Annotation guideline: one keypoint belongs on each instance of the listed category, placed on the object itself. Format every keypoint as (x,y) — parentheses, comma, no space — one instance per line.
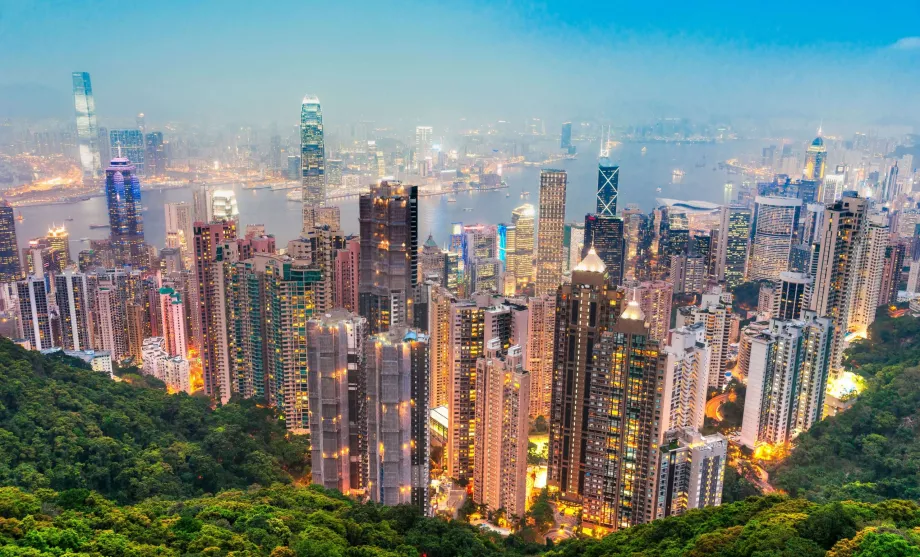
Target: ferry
(69,219)
(94,226)
(84,239)
(525,194)
(644,150)
(467,209)
(451,199)
(20,218)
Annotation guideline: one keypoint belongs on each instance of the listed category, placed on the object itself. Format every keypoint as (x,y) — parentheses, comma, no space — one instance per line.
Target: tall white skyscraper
(179,221)
(87,131)
(686,378)
(869,278)
(423,145)
(312,158)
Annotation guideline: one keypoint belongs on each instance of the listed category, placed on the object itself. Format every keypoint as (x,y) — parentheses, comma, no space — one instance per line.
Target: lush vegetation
(870,452)
(768,527)
(64,426)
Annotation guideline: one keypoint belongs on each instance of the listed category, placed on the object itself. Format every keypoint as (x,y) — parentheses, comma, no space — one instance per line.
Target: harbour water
(640,176)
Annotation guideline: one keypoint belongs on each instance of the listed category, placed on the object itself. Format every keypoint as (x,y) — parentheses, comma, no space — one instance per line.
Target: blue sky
(845,63)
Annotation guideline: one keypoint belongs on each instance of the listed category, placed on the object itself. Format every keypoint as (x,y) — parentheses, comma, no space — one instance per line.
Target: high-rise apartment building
(870,273)
(338,401)
(126,219)
(467,345)
(10,268)
(655,299)
(715,310)
(538,352)
(179,227)
(312,158)
(519,255)
(686,377)
(110,319)
(585,308)
(72,297)
(172,321)
(691,471)
(776,222)
(791,296)
(397,418)
(549,230)
(838,260)
(732,245)
(87,130)
(347,276)
(502,425)
(35,312)
(388,220)
(787,379)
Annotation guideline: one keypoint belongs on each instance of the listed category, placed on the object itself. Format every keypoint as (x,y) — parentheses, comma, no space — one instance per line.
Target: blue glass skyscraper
(566,142)
(87,132)
(123,197)
(608,184)
(312,158)
(130,145)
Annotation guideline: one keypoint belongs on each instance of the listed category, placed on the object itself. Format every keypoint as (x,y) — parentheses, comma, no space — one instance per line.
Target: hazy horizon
(212,63)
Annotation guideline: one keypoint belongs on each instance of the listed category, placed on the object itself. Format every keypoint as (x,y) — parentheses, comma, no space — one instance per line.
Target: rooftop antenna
(119,151)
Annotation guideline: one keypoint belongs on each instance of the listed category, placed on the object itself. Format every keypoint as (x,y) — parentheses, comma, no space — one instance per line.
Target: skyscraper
(655,298)
(59,246)
(179,227)
(87,131)
(792,296)
(346,276)
(388,221)
(130,144)
(338,401)
(439,330)
(423,147)
(815,160)
(519,259)
(608,187)
(73,300)
(776,223)
(538,352)
(691,471)
(586,308)
(715,310)
(502,424)
(623,394)
(10,268)
(732,246)
(870,273)
(397,422)
(604,234)
(686,377)
(35,312)
(155,154)
(549,230)
(565,142)
(126,219)
(223,206)
(312,158)
(467,345)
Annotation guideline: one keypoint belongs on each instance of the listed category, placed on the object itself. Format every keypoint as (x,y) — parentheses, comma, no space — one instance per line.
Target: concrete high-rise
(35,312)
(312,158)
(519,258)
(338,401)
(10,267)
(467,345)
(549,231)
(538,352)
(691,471)
(347,276)
(715,310)
(502,424)
(787,379)
(72,297)
(126,219)
(655,299)
(870,273)
(442,351)
(623,398)
(686,378)
(87,130)
(776,222)
(397,418)
(586,308)
(837,262)
(732,245)
(388,221)
(179,227)
(792,296)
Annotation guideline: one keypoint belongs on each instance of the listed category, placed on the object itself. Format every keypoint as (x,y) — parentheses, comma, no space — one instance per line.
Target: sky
(210,62)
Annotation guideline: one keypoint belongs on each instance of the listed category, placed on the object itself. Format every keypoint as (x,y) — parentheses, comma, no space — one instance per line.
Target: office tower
(223,206)
(776,221)
(485,275)
(467,345)
(549,230)
(431,262)
(624,395)
(59,244)
(787,378)
(35,312)
(397,418)
(815,160)
(126,219)
(73,304)
(891,275)
(211,307)
(453,273)
(172,320)
(312,158)
(179,221)
(715,310)
(585,308)
(691,471)
(155,154)
(519,259)
(655,298)
(439,330)
(792,296)
(891,189)
(538,352)
(834,185)
(346,276)
(388,220)
(10,268)
(334,173)
(423,146)
(175,371)
(838,259)
(87,131)
(573,244)
(110,319)
(502,424)
(337,387)
(732,246)
(686,378)
(688,273)
(608,187)
(604,234)
(129,144)
(869,274)
(565,142)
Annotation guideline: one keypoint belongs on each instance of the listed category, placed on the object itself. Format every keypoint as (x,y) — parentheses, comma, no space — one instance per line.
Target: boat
(525,194)
(295,194)
(507,195)
(658,189)
(20,218)
(84,239)
(644,150)
(467,209)
(451,199)
(69,219)
(94,226)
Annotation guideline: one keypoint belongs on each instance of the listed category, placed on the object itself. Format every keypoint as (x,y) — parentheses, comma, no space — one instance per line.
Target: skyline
(435,65)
